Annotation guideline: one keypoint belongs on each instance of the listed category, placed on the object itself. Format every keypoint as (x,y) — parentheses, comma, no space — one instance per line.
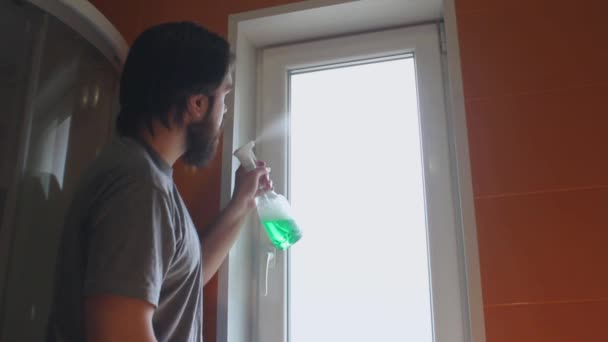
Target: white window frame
(423,43)
(251,32)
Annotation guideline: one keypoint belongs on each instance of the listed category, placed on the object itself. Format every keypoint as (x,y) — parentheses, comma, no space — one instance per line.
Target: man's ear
(196,108)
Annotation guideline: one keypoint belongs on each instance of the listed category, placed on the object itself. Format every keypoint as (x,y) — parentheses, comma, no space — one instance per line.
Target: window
(360,147)
(355,182)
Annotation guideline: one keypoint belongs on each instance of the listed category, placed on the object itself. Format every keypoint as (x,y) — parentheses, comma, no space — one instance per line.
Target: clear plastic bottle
(273,209)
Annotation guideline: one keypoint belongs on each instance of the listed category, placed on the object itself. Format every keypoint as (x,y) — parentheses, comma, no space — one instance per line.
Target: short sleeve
(130,244)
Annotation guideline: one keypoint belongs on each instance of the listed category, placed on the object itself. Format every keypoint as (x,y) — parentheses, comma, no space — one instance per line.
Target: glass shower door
(63,99)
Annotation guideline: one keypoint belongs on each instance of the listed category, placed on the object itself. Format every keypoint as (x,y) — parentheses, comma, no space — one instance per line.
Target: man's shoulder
(125,162)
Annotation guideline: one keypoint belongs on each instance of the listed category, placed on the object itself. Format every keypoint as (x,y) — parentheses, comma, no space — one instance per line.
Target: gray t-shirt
(128,233)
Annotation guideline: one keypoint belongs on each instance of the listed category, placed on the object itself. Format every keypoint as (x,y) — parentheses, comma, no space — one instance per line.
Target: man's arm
(115,318)
(218,238)
(130,246)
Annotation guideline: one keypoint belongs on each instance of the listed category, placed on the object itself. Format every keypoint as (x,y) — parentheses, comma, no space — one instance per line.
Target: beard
(201,142)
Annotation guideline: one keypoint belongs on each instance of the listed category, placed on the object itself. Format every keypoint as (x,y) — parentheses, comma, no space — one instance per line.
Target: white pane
(360,273)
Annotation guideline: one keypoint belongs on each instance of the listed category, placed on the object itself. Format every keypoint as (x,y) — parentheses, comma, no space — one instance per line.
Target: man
(131,265)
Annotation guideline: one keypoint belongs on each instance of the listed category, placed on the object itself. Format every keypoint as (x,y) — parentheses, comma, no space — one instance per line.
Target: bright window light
(360,273)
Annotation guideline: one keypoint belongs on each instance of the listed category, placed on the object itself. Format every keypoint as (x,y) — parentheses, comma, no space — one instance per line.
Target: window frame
(251,31)
(447,276)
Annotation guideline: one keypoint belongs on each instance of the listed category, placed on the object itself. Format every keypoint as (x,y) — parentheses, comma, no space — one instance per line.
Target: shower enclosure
(59,68)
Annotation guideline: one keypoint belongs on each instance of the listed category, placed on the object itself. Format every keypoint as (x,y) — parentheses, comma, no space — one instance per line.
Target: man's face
(202,137)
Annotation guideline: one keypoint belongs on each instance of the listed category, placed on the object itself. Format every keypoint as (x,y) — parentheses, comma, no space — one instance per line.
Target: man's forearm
(217,239)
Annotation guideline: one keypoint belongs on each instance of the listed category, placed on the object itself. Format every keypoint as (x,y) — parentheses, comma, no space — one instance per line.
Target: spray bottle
(273,209)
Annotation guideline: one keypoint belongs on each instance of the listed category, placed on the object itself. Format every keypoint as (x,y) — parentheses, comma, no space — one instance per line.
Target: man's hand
(220,236)
(249,185)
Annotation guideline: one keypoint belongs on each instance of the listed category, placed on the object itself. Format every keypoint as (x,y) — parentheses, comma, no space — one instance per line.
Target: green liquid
(282,233)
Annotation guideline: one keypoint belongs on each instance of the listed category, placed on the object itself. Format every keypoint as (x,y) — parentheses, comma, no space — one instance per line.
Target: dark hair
(166,65)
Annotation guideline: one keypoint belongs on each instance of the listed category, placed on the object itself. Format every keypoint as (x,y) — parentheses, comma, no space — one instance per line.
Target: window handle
(270,262)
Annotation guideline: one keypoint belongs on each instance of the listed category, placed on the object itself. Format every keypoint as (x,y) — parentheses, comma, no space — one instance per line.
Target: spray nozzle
(246,156)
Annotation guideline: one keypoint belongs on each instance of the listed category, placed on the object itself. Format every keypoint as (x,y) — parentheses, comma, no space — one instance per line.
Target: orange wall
(200,189)
(535,75)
